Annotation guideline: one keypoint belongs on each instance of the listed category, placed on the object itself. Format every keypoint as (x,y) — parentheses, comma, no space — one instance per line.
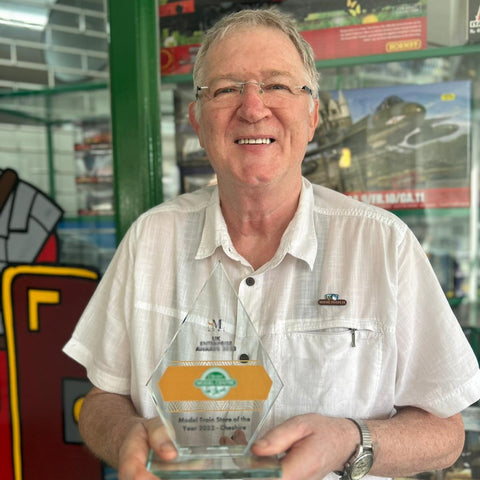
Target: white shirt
(395,342)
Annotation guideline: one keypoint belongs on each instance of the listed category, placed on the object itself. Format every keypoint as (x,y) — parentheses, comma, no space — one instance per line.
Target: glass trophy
(214,383)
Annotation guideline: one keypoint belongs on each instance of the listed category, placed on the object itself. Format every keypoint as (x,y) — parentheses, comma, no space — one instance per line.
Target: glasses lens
(279,93)
(225,93)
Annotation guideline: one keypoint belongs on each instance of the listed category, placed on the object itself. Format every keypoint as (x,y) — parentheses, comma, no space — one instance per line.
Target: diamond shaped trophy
(215,381)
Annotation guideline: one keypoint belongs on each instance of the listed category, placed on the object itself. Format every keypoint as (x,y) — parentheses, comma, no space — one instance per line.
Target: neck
(257,218)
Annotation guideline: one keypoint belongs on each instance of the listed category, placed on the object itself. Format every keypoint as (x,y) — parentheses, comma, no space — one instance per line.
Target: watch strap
(365,444)
(365,437)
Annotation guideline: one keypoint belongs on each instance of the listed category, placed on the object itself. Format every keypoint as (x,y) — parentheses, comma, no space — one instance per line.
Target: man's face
(283,128)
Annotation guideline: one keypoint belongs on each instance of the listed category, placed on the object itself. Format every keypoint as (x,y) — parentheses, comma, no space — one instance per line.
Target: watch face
(361,466)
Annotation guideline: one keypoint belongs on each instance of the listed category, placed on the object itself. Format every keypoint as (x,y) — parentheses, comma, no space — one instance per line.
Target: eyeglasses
(224,93)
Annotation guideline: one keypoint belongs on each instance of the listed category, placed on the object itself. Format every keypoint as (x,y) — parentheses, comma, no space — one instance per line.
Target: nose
(252,108)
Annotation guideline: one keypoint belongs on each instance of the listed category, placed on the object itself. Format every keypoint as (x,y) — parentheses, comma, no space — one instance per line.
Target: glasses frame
(242,85)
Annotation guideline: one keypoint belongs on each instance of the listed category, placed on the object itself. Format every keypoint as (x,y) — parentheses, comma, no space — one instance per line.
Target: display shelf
(93,147)
(94,168)
(69,88)
(429,52)
(89,179)
(63,104)
(434,212)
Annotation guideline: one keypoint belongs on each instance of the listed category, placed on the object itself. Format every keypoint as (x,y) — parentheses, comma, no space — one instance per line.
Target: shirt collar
(299,239)
(215,233)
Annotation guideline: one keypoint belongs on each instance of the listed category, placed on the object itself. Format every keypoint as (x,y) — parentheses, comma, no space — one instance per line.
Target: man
(392,355)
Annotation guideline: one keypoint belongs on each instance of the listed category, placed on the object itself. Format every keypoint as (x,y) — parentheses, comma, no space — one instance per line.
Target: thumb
(159,439)
(281,438)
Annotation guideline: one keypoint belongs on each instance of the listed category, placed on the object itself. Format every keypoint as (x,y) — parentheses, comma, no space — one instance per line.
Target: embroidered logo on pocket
(332,299)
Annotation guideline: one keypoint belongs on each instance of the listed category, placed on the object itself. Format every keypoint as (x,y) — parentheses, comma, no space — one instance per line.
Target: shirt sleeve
(100,340)
(437,369)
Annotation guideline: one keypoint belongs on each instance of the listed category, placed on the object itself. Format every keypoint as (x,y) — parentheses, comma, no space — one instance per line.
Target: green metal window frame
(135,107)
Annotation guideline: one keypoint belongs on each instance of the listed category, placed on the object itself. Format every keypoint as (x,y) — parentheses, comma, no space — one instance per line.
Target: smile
(254,141)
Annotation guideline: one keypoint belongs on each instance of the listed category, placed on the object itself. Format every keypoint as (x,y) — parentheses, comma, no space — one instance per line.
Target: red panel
(6,465)
(39,368)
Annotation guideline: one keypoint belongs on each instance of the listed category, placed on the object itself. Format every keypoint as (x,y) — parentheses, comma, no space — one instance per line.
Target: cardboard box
(447,22)
(474,21)
(453,23)
(401,147)
(334,28)
(364,27)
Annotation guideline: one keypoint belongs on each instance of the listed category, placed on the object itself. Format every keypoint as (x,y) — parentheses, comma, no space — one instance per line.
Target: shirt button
(250,281)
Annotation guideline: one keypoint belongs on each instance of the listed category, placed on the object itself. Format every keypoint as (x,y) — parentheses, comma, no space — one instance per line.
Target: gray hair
(272,18)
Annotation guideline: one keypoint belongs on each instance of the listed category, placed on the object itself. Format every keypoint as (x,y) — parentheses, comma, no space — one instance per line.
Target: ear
(314,116)
(193,121)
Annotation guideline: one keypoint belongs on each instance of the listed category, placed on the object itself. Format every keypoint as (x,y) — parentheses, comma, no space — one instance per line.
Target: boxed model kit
(334,28)
(400,147)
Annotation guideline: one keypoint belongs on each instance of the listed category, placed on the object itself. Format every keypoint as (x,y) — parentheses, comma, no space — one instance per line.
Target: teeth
(254,141)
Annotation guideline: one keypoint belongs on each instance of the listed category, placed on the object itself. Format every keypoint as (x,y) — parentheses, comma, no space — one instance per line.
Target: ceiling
(49,43)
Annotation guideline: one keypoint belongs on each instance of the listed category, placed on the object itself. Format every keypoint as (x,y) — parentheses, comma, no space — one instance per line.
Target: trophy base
(215,467)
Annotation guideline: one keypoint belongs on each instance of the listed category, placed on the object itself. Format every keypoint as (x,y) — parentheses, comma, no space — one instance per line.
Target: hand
(135,448)
(315,445)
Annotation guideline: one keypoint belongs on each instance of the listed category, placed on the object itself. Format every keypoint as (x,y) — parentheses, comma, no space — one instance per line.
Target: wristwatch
(361,461)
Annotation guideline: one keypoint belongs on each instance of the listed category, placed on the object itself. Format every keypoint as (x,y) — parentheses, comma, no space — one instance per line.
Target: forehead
(253,52)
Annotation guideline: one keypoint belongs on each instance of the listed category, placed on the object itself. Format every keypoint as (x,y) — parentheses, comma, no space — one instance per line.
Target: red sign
(368,39)
(416,198)
(176,8)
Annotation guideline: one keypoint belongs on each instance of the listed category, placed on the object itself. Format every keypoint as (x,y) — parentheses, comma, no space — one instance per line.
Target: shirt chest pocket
(331,367)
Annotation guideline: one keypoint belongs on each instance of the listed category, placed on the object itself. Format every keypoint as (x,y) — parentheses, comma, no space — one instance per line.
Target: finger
(133,456)
(302,461)
(135,470)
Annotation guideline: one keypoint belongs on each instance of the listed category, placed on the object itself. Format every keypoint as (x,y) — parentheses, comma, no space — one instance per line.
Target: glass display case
(58,141)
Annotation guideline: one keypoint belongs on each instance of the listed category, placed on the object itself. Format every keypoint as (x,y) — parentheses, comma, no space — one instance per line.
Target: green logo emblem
(215,383)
